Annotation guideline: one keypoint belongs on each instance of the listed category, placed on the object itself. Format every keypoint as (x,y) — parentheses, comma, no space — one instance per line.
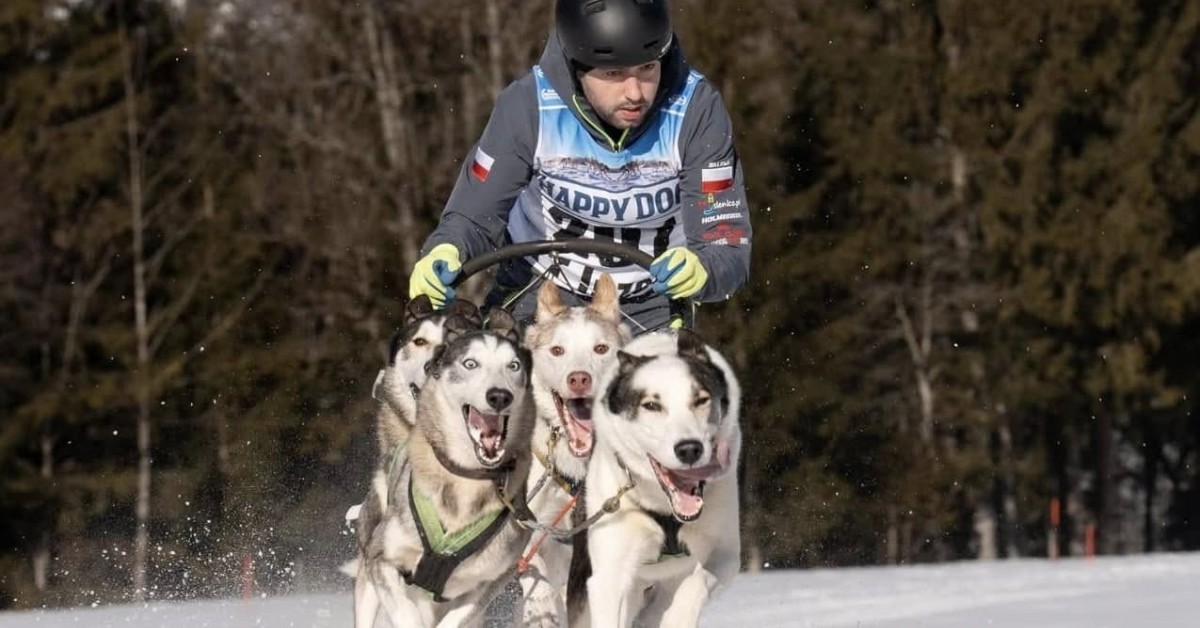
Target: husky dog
(571,346)
(667,446)
(400,381)
(448,541)
(396,390)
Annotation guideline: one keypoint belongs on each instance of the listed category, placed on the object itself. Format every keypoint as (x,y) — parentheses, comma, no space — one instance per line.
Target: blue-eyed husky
(396,389)
(448,541)
(667,445)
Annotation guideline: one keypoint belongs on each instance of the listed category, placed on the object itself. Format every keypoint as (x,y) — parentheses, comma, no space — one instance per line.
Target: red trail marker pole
(247,576)
(1052,534)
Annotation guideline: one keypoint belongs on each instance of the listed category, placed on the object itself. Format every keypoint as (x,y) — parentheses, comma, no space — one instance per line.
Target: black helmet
(613,33)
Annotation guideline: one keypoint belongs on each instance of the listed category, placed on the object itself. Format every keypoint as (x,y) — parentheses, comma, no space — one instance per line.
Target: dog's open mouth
(576,416)
(488,432)
(685,487)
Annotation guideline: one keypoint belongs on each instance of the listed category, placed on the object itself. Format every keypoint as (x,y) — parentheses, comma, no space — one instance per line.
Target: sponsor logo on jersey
(725,234)
(630,207)
(713,208)
(719,217)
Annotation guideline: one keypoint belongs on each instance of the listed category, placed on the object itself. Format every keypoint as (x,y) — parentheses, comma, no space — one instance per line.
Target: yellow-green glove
(433,274)
(678,273)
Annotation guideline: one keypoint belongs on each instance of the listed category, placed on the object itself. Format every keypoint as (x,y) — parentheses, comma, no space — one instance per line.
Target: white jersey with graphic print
(581,189)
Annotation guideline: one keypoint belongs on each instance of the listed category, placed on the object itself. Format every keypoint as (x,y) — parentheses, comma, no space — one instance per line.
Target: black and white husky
(667,446)
(571,346)
(448,541)
(395,391)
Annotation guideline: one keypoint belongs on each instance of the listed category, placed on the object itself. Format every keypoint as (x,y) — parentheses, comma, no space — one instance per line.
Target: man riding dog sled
(611,137)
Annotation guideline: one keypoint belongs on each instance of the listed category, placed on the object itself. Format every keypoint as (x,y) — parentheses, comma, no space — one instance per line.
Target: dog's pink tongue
(686,504)
(686,498)
(579,426)
(490,428)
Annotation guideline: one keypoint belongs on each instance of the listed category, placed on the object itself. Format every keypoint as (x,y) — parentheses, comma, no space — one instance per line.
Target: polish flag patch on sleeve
(716,179)
(482,165)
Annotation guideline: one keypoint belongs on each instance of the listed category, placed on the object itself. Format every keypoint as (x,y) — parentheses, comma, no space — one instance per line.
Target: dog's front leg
(690,598)
(401,610)
(542,586)
(366,597)
(469,608)
(618,545)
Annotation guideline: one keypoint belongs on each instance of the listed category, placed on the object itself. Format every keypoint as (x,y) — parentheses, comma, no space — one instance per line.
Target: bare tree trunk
(41,554)
(389,99)
(468,105)
(1149,486)
(985,531)
(495,49)
(893,535)
(920,346)
(1008,498)
(1106,529)
(141,380)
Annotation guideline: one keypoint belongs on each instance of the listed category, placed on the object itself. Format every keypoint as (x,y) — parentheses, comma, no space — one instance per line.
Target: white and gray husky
(571,346)
(400,381)
(667,446)
(448,541)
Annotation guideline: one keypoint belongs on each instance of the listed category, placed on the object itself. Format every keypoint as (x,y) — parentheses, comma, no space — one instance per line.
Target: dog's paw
(544,613)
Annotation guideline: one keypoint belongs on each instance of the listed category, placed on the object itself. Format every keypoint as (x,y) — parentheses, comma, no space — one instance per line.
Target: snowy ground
(1154,591)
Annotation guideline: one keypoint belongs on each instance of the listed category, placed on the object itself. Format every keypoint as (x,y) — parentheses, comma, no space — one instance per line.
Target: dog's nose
(689,451)
(499,398)
(579,382)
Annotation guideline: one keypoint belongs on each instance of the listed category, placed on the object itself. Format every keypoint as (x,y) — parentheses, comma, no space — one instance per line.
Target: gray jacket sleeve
(716,223)
(495,171)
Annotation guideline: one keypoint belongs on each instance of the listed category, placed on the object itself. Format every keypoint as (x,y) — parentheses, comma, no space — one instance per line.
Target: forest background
(975,288)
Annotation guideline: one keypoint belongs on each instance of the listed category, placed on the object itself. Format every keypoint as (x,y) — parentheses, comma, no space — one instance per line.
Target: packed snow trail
(1157,590)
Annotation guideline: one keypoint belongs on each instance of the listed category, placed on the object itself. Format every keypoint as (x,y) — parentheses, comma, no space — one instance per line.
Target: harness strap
(393,467)
(443,552)
(494,473)
(568,485)
(523,561)
(672,547)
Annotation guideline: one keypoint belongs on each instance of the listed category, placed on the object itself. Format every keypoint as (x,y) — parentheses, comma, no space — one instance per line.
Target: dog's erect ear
(433,364)
(620,395)
(549,301)
(398,340)
(604,300)
(628,361)
(690,346)
(502,323)
(456,326)
(467,310)
(419,307)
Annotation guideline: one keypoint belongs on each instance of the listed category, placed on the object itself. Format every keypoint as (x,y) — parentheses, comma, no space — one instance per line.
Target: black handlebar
(541,247)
